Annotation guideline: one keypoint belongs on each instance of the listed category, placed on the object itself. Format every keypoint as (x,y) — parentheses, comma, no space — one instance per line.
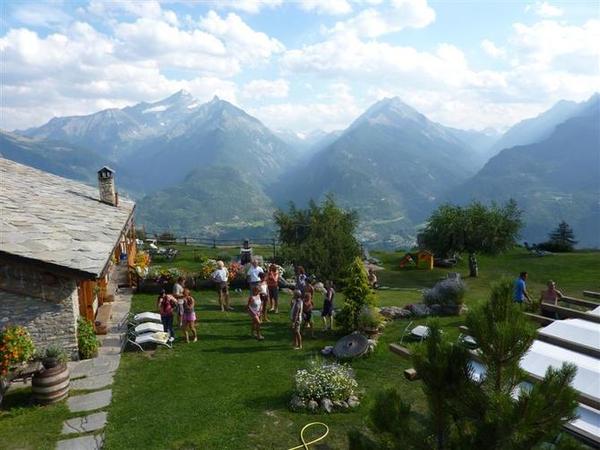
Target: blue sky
(302,64)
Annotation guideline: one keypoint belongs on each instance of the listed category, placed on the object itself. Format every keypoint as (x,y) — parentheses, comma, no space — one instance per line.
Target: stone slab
(93,442)
(93,383)
(90,402)
(85,424)
(95,366)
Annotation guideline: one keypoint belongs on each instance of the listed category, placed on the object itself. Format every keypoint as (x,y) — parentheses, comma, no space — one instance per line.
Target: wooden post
(185,241)
(214,243)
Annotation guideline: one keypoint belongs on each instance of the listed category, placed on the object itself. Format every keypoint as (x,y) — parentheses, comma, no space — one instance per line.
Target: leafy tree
(320,238)
(467,413)
(473,229)
(358,295)
(562,239)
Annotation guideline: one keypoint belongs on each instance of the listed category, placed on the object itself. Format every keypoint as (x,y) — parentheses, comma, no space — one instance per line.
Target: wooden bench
(103,316)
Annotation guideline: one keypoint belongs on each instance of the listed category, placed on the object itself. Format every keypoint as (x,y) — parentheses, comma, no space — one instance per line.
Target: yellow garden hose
(306,444)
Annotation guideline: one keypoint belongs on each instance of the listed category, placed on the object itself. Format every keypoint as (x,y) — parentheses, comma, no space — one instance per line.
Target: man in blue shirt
(521,293)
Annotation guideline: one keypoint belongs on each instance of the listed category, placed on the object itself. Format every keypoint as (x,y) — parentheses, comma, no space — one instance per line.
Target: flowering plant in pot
(53,356)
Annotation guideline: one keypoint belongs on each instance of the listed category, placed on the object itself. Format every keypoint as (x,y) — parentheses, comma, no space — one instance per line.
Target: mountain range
(212,169)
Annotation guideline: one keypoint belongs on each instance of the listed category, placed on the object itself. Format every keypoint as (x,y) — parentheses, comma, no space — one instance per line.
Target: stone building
(58,241)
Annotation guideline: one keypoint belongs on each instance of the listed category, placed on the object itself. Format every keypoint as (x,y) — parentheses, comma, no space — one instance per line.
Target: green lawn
(229,391)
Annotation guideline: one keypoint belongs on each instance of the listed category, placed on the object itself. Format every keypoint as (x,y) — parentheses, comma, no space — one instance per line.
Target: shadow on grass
(17,400)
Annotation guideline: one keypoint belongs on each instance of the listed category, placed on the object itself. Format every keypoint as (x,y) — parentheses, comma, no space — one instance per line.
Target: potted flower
(53,356)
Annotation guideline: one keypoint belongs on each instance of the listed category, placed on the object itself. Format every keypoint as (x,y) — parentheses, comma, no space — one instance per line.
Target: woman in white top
(254,310)
(221,279)
(178,294)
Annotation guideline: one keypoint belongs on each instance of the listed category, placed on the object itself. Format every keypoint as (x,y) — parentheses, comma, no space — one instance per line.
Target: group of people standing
(182,304)
(263,299)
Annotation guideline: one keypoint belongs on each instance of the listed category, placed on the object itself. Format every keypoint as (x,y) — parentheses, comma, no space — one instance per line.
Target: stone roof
(57,221)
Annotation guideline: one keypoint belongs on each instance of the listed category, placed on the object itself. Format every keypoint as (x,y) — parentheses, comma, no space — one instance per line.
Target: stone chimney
(106,183)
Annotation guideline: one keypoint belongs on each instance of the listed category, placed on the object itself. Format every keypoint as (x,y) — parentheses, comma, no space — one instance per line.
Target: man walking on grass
(521,294)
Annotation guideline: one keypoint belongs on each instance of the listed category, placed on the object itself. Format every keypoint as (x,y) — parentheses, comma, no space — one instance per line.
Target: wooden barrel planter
(51,385)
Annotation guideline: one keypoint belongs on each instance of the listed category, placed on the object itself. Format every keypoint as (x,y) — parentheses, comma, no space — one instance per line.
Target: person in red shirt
(166,305)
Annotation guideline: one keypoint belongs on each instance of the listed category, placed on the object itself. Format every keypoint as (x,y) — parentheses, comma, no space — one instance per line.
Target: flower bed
(324,387)
(16,347)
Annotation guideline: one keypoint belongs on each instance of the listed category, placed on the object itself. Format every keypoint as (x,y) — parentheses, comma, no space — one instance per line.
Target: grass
(229,391)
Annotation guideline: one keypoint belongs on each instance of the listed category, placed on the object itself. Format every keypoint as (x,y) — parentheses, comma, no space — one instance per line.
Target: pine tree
(562,239)
(358,294)
(468,414)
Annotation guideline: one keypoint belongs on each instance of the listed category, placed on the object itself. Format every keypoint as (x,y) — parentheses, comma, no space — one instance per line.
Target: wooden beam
(579,302)
(542,320)
(411,374)
(400,350)
(591,294)
(570,313)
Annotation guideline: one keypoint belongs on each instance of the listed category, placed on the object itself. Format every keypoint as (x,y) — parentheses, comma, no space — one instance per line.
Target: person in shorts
(166,306)
(254,274)
(327,313)
(221,279)
(178,288)
(296,319)
(307,308)
(189,316)
(254,310)
(273,288)
(264,296)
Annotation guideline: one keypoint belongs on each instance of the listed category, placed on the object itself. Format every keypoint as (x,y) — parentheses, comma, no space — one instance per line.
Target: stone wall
(46,304)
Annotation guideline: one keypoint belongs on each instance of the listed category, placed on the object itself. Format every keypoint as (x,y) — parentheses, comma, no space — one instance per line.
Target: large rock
(327,350)
(394,312)
(312,406)
(297,404)
(327,405)
(353,402)
(419,310)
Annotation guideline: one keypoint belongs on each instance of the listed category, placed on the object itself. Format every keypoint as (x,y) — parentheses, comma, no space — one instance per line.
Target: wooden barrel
(51,385)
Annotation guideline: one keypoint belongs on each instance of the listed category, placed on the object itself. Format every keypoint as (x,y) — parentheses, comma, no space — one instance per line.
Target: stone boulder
(297,404)
(312,406)
(327,405)
(419,310)
(394,312)
(353,402)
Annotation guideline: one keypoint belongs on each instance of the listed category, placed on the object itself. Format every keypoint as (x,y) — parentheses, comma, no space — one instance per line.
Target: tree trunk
(473,268)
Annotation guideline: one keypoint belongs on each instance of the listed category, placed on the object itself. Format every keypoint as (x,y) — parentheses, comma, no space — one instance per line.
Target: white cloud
(266,89)
(335,109)
(345,55)
(545,10)
(492,50)
(402,14)
(331,7)
(544,42)
(80,72)
(247,45)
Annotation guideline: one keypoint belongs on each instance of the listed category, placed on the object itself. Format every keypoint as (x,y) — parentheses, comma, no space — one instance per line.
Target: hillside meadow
(229,391)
